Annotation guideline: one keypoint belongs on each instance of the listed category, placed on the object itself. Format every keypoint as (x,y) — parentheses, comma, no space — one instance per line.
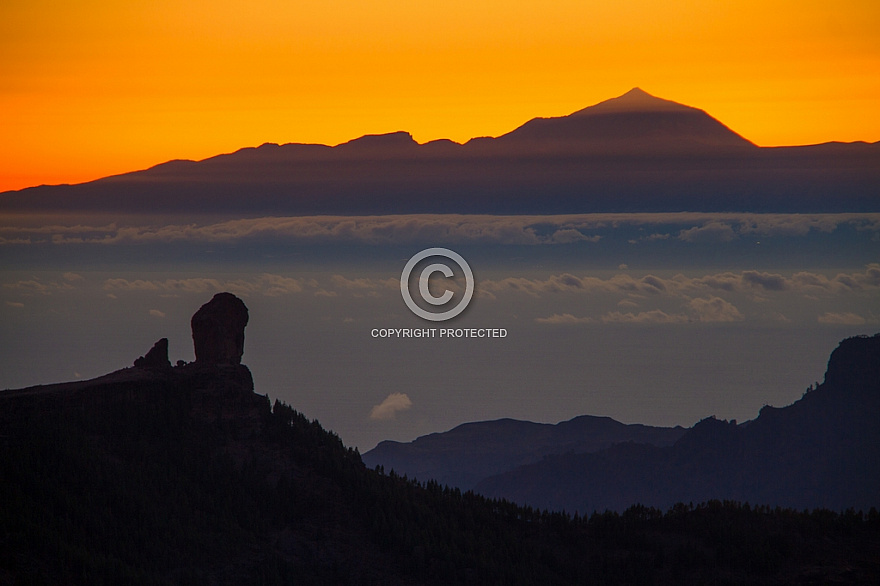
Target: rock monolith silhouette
(218,330)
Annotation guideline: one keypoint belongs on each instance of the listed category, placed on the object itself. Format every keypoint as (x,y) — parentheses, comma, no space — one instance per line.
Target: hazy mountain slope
(632,153)
(473,451)
(821,451)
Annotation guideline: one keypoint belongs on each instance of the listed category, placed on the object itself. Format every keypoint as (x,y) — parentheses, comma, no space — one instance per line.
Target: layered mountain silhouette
(820,452)
(161,474)
(472,452)
(633,153)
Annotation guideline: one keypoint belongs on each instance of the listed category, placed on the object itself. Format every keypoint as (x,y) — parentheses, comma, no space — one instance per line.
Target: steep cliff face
(855,364)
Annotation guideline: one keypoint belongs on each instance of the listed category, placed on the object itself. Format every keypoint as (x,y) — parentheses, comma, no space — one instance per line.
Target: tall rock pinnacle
(218,330)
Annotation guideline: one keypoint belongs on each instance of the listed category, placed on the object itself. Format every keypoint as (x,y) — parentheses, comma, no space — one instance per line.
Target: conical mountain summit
(632,153)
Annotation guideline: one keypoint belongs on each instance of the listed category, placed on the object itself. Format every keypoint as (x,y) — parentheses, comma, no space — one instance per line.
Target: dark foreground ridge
(183,475)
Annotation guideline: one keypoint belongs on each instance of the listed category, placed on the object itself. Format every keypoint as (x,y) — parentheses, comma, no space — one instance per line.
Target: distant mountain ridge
(820,452)
(633,153)
(471,452)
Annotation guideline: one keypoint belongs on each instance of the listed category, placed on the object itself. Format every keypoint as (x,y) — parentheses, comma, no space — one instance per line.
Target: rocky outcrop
(215,389)
(156,358)
(218,330)
(855,363)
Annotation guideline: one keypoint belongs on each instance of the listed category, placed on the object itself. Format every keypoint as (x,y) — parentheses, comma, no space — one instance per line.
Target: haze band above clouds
(444,229)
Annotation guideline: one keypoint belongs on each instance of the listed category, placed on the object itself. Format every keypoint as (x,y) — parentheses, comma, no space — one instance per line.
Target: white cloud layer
(711,310)
(754,282)
(444,228)
(266,283)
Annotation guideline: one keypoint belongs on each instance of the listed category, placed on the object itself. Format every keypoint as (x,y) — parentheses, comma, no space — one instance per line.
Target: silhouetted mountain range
(472,452)
(634,153)
(821,451)
(161,474)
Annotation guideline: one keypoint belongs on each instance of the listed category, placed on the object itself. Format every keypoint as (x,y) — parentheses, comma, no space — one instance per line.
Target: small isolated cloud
(388,408)
(846,319)
(565,318)
(72,277)
(157,313)
(715,309)
(14,304)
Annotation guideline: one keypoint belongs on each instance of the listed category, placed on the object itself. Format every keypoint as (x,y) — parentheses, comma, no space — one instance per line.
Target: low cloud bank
(446,229)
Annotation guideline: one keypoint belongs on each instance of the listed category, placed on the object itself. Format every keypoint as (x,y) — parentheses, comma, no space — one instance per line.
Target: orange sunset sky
(90,88)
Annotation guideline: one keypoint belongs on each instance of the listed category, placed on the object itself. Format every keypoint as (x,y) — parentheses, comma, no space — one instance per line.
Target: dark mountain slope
(634,153)
(473,451)
(821,451)
(182,475)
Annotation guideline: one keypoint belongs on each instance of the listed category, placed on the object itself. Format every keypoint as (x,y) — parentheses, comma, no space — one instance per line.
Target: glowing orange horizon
(92,88)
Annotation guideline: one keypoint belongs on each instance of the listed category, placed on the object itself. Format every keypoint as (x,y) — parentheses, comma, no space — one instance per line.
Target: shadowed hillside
(821,451)
(183,475)
(474,451)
